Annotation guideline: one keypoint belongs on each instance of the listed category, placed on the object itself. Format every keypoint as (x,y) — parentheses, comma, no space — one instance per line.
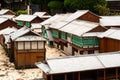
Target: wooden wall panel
(109,45)
(37,20)
(90,17)
(24,60)
(28,59)
(20,61)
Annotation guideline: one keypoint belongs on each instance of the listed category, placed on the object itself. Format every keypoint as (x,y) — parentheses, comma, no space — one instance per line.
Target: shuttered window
(34,45)
(77,40)
(55,33)
(44,33)
(20,46)
(40,45)
(27,24)
(27,45)
(86,41)
(63,35)
(19,23)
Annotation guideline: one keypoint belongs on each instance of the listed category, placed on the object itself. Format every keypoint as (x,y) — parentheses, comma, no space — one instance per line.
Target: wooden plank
(104,74)
(28,59)
(21,60)
(65,77)
(51,78)
(116,73)
(33,59)
(78,75)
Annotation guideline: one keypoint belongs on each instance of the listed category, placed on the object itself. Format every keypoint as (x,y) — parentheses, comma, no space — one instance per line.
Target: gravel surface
(8,71)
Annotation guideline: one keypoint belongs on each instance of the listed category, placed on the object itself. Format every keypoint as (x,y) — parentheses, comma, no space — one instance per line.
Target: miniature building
(46,31)
(27,47)
(27,20)
(113,5)
(80,37)
(110,40)
(7,12)
(42,15)
(37,27)
(7,16)
(5,22)
(4,33)
(76,34)
(86,67)
(110,21)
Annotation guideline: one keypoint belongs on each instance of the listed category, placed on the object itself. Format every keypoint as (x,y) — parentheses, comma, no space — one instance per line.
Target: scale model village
(90,42)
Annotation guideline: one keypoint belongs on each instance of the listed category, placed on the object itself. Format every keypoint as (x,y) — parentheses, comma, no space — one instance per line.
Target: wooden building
(46,31)
(110,40)
(4,33)
(80,37)
(5,22)
(42,15)
(110,21)
(113,5)
(27,20)
(7,12)
(7,16)
(27,47)
(6,26)
(37,27)
(84,67)
(77,33)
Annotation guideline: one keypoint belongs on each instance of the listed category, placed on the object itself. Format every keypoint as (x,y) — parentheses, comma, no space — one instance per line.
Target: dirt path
(8,71)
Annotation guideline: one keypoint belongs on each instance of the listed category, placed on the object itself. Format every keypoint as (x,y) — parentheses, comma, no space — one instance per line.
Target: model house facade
(77,33)
(85,67)
(109,40)
(26,48)
(5,22)
(43,15)
(27,20)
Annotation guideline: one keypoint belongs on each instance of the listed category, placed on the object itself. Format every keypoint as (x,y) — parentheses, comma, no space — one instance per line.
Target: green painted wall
(44,33)
(55,33)
(86,41)
(27,24)
(63,35)
(19,23)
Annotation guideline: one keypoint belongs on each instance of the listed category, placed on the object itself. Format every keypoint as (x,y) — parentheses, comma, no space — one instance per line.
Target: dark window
(58,76)
(90,51)
(81,52)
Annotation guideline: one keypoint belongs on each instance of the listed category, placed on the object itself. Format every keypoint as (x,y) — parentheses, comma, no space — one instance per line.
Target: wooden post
(116,73)
(73,76)
(51,77)
(78,75)
(65,77)
(104,74)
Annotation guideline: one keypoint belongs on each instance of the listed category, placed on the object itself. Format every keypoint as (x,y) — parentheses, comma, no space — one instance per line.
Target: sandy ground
(8,71)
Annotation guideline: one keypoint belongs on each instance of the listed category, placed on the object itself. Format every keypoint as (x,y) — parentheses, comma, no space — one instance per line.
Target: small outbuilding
(5,22)
(27,20)
(4,33)
(27,47)
(43,15)
(37,27)
(110,40)
(7,12)
(110,21)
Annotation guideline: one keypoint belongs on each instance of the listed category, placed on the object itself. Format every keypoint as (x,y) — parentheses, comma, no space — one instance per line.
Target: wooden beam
(78,75)
(51,77)
(65,77)
(116,73)
(104,74)
(73,75)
